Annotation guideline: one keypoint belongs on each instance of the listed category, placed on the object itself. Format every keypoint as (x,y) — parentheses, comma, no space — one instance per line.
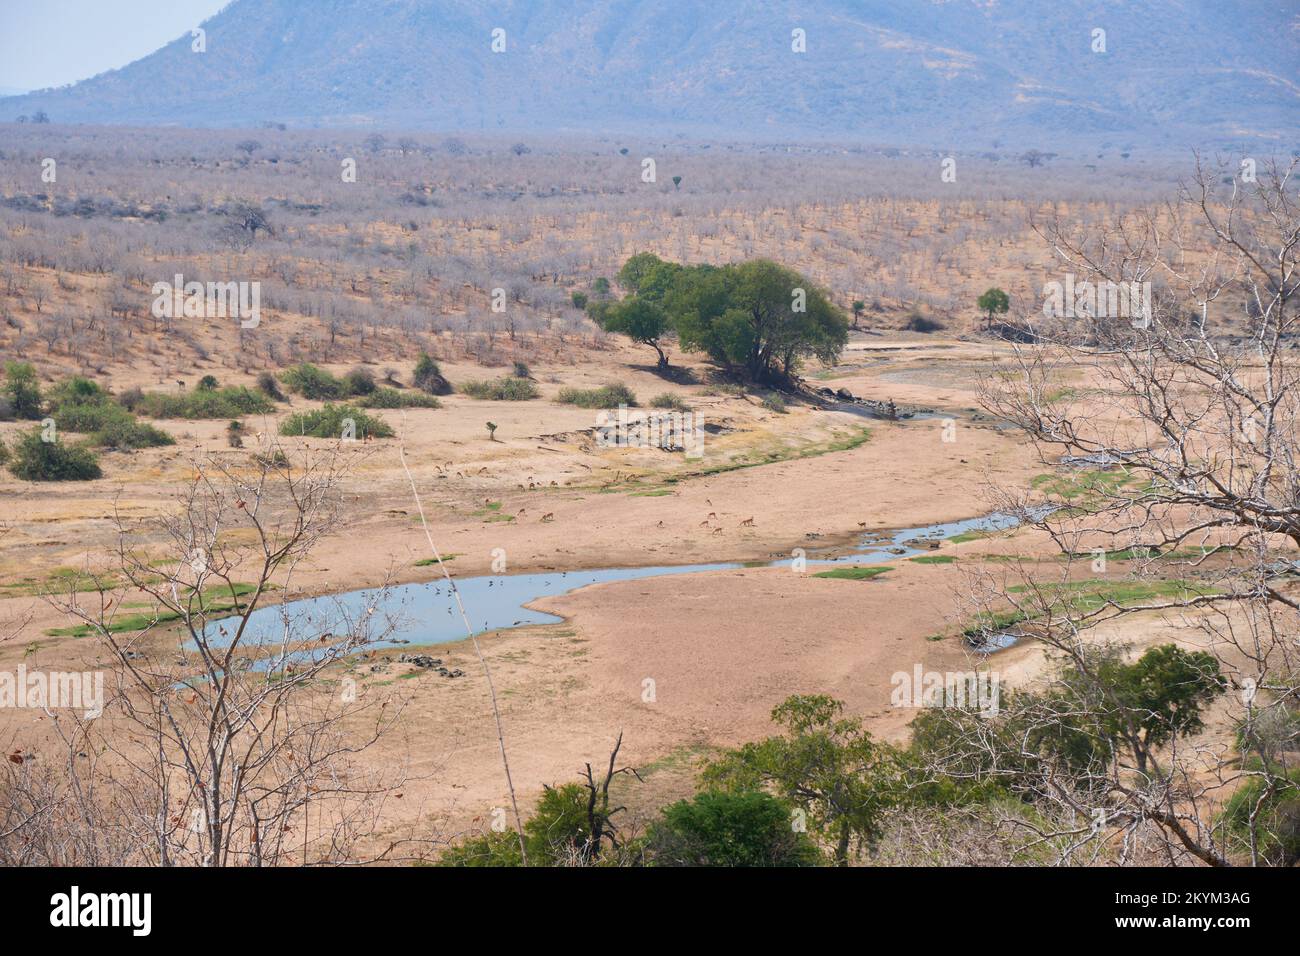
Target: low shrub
(607,396)
(330,421)
(313,382)
(34,459)
(80,405)
(229,402)
(267,384)
(124,431)
(384,397)
(669,400)
(428,376)
(916,322)
(502,390)
(359,381)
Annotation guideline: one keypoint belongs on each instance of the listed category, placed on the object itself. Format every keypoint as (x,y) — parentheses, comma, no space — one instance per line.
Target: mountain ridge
(960,72)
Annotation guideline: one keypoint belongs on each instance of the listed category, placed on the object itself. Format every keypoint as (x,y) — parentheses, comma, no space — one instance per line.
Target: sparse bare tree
(239,747)
(1184,427)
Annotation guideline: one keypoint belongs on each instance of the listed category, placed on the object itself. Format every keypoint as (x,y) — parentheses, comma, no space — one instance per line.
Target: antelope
(747,523)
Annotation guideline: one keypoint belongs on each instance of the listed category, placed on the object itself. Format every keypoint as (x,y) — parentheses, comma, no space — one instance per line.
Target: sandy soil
(720,648)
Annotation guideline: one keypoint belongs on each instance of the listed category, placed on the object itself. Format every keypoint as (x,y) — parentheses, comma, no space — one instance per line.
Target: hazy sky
(52,42)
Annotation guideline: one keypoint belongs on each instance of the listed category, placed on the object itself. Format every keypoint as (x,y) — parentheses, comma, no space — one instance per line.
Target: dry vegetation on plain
(404,262)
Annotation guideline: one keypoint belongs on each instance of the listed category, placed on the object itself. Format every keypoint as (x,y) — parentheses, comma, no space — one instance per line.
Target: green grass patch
(1086,491)
(847,442)
(425,562)
(490,512)
(969,536)
(1153,554)
(854,573)
(216,602)
(934,559)
(1089,595)
(1084,597)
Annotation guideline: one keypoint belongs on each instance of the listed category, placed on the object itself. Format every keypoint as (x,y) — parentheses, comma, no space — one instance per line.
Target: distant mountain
(945,72)
(11,91)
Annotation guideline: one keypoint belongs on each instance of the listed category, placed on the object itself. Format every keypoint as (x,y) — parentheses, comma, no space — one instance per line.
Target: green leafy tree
(858,307)
(993,302)
(758,317)
(826,765)
(1102,711)
(747,828)
(640,320)
(634,271)
(23,389)
(1161,694)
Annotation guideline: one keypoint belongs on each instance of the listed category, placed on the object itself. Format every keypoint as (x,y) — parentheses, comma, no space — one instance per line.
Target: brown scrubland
(1174,522)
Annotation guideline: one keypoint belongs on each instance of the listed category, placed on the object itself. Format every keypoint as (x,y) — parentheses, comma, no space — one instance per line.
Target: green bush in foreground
(730,829)
(34,459)
(607,396)
(1275,812)
(331,422)
(506,389)
(557,831)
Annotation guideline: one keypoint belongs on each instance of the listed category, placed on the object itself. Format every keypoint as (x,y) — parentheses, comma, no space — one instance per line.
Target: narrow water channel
(425,613)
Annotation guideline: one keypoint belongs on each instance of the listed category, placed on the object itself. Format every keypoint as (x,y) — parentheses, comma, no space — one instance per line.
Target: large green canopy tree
(757,317)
